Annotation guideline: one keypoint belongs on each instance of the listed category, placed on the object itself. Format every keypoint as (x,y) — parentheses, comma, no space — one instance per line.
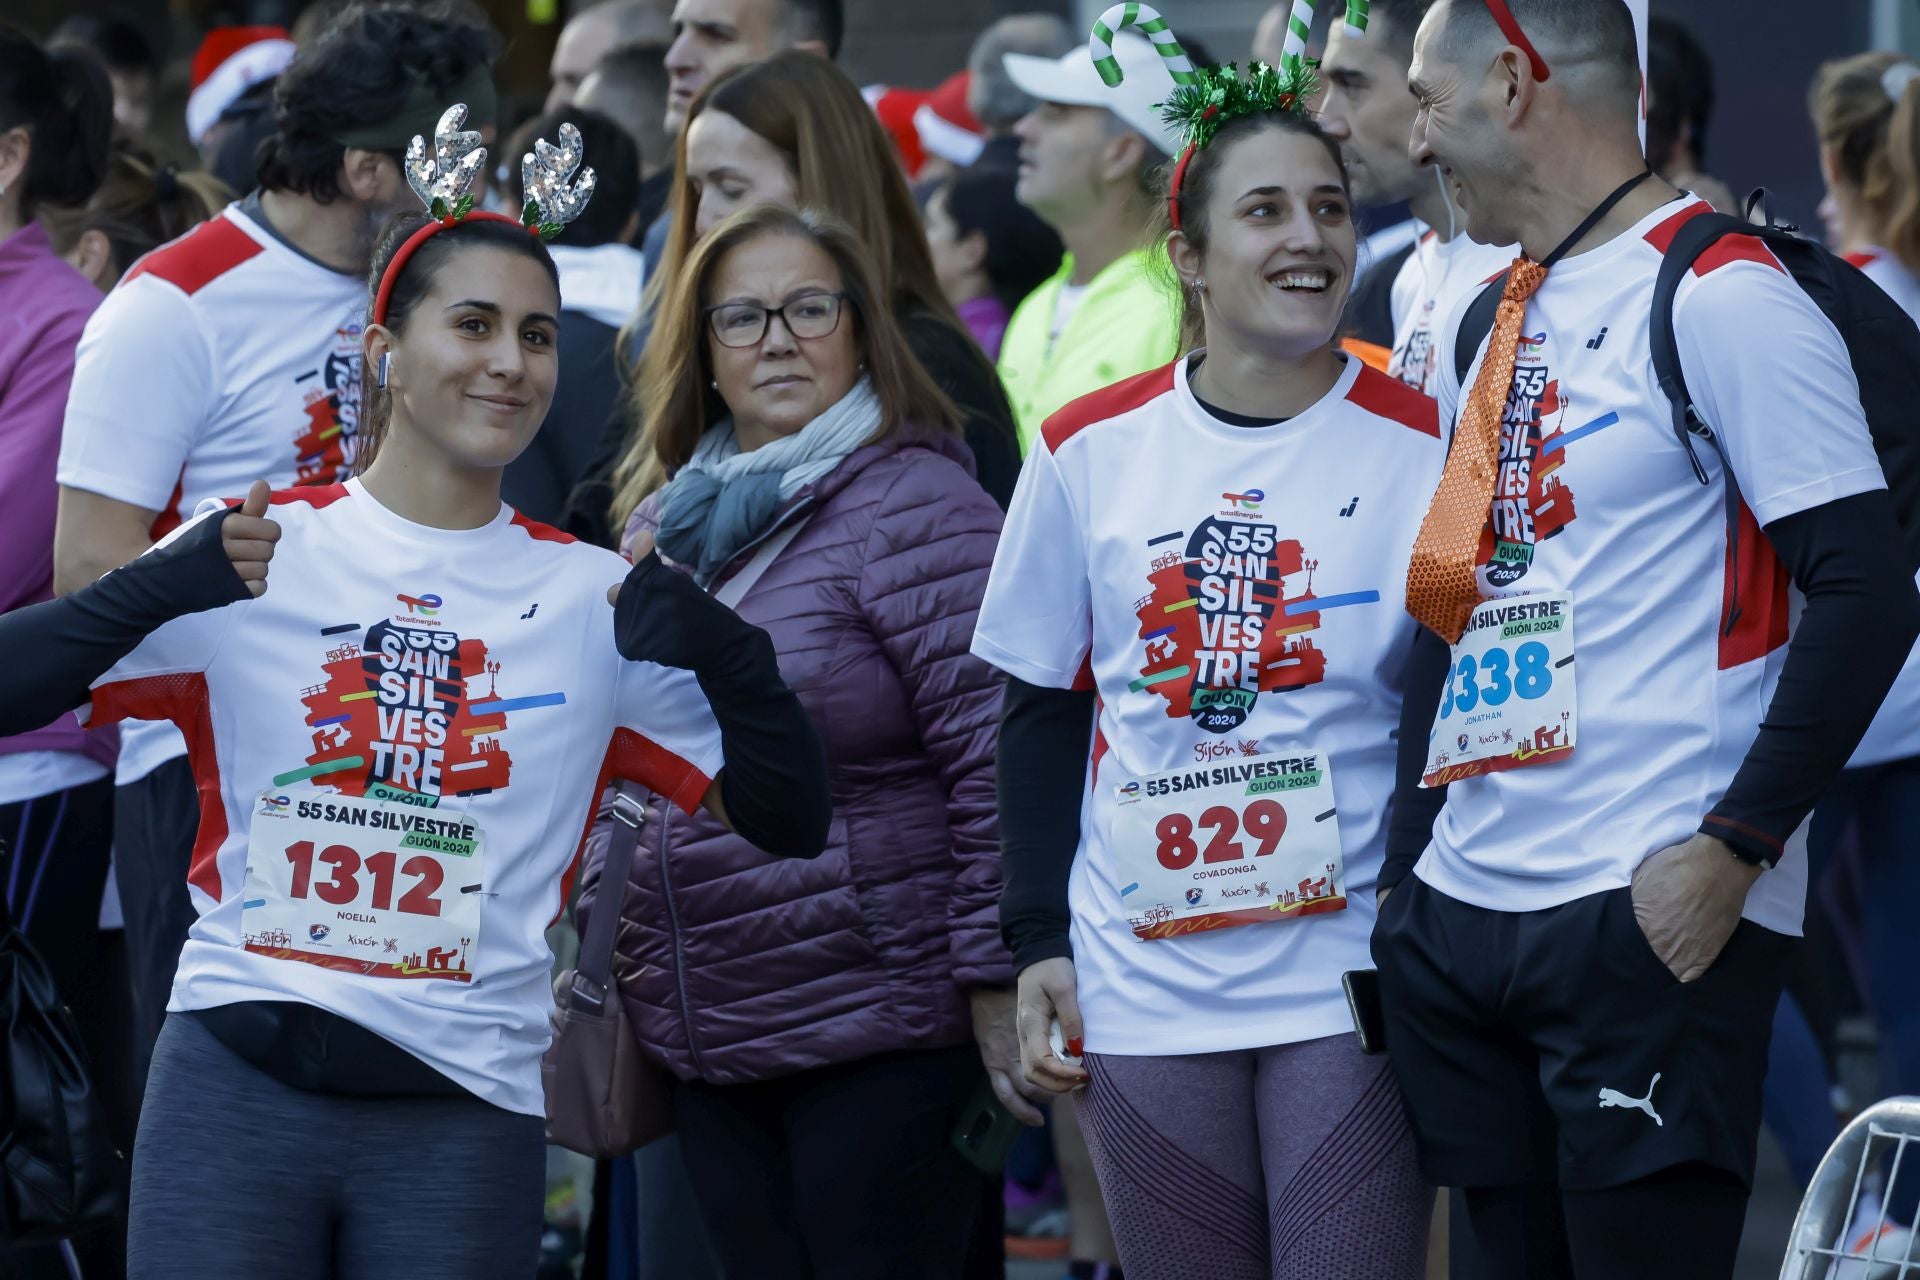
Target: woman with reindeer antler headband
(1199,589)
(399,748)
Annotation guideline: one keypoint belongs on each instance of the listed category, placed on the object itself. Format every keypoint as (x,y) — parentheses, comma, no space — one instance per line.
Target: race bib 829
(1253,841)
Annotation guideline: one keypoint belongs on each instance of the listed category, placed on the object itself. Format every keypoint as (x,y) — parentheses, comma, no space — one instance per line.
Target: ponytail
(1902,236)
(141,204)
(63,98)
(1866,111)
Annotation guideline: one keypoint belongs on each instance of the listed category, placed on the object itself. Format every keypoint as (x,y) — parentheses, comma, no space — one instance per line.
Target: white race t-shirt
(1429,285)
(222,358)
(472,673)
(1596,497)
(1115,514)
(1895,732)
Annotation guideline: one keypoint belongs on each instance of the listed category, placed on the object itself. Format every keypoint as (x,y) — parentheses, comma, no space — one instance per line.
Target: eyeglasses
(744,324)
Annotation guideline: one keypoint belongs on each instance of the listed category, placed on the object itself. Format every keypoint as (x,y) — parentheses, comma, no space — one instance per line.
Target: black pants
(155,821)
(839,1173)
(1600,1114)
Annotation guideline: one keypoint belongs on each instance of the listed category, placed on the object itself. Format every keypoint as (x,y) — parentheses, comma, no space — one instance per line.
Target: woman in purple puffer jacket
(827,1019)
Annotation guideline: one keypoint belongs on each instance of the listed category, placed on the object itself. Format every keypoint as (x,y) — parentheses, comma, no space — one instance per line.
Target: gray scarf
(723,498)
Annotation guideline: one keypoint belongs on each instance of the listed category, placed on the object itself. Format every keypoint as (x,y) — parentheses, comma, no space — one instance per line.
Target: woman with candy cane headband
(398,750)
(1199,590)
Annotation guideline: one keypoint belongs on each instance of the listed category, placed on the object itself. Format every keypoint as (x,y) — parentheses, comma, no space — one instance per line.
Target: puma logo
(1615,1098)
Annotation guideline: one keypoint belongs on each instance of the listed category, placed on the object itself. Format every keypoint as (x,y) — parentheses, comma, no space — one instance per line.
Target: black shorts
(1544,1046)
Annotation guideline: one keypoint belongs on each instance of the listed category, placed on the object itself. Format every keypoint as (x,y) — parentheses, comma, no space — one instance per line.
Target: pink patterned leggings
(1292,1162)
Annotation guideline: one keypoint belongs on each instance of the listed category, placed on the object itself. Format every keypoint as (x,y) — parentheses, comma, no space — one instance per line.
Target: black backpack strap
(1758,208)
(1694,238)
(1475,326)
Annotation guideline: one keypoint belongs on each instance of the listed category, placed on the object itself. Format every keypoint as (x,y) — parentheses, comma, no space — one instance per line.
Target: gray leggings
(236,1174)
(1292,1162)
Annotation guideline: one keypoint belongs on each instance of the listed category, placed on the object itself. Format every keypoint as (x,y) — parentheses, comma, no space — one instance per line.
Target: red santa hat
(895,108)
(230,61)
(946,125)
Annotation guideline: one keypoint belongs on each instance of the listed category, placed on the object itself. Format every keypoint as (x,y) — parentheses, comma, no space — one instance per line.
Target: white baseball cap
(1070,80)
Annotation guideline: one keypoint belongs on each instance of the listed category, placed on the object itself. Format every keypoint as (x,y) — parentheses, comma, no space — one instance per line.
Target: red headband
(1173,190)
(1518,38)
(1180,174)
(398,262)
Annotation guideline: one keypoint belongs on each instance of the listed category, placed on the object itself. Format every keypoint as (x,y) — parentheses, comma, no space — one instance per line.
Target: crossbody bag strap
(731,592)
(593,972)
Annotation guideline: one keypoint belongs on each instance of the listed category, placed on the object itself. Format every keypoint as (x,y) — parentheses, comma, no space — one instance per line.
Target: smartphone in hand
(1363,1002)
(985,1132)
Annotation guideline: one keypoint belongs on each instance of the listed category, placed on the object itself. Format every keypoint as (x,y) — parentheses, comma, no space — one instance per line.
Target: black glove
(51,653)
(663,616)
(775,783)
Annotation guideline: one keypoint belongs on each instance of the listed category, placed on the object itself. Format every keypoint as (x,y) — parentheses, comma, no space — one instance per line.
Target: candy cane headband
(444,179)
(1204,100)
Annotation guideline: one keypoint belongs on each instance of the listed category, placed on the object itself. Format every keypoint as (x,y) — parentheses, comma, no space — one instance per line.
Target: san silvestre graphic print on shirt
(1218,626)
(412,713)
(1531,503)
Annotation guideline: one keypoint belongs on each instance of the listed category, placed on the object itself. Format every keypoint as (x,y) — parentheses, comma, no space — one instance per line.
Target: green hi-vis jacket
(1127,323)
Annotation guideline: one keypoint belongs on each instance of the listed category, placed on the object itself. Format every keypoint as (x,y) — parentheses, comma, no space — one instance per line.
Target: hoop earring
(386,368)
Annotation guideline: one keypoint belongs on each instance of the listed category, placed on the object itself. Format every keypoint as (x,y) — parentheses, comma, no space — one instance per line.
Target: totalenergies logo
(1534,343)
(1248,501)
(424,606)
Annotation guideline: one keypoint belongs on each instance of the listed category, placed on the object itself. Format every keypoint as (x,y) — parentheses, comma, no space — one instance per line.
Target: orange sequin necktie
(1441,587)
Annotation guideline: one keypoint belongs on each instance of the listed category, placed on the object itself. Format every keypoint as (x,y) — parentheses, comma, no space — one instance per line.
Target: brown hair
(843,165)
(140,206)
(674,400)
(1875,143)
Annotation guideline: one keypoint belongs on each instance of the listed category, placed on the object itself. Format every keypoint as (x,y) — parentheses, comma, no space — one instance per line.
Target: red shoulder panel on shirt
(1108,402)
(1736,249)
(315,496)
(1661,237)
(1387,397)
(1732,248)
(1862,258)
(201,256)
(542,532)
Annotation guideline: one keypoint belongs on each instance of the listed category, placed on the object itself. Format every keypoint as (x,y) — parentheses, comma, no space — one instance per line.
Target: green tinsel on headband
(1222,94)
